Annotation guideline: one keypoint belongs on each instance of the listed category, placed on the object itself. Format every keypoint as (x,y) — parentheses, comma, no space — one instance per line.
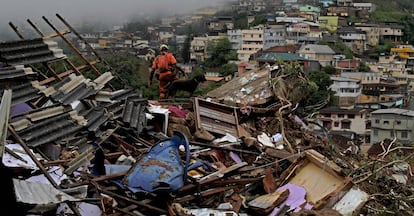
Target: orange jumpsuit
(165,72)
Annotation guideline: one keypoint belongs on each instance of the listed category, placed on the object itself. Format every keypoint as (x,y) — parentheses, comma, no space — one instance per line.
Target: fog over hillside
(77,12)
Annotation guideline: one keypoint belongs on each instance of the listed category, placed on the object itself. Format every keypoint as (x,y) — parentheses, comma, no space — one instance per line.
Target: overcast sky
(75,11)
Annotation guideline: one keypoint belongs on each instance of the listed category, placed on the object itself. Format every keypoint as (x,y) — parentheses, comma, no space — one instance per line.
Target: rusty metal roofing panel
(30,51)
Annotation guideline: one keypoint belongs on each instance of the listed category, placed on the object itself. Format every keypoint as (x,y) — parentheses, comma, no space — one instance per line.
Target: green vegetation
(339,47)
(323,93)
(240,21)
(220,53)
(384,14)
(228,69)
(329,69)
(397,12)
(364,67)
(258,19)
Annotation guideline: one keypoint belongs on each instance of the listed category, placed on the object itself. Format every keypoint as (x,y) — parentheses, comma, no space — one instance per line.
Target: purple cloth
(295,199)
(19,109)
(235,157)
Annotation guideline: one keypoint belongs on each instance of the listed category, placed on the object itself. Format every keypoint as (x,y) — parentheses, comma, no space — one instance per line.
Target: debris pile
(77,147)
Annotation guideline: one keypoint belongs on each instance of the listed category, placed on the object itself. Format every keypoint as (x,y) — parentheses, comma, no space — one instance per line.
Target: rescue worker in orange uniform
(166,64)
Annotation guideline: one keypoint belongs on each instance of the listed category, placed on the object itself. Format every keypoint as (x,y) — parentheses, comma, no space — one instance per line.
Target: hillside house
(353,38)
(343,65)
(367,6)
(197,49)
(220,24)
(391,32)
(372,33)
(392,123)
(341,11)
(252,41)
(165,33)
(235,37)
(355,120)
(303,32)
(309,12)
(274,36)
(346,90)
(321,53)
(346,3)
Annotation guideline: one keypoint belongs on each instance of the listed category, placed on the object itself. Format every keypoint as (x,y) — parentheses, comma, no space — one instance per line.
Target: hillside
(400,12)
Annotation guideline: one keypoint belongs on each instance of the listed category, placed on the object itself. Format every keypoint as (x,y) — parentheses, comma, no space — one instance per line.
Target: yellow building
(329,23)
(403,51)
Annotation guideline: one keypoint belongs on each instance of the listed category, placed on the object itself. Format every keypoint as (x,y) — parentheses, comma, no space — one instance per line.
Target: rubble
(101,151)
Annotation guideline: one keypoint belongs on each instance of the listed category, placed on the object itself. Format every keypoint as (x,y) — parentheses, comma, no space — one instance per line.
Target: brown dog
(189,85)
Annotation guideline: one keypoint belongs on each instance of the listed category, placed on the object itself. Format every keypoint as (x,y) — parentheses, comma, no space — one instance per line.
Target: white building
(235,37)
(252,41)
(347,90)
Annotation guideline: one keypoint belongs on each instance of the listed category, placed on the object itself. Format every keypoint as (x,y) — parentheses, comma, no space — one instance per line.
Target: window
(404,134)
(346,125)
(377,121)
(397,122)
(375,132)
(341,115)
(351,116)
(386,122)
(368,125)
(327,124)
(392,135)
(336,124)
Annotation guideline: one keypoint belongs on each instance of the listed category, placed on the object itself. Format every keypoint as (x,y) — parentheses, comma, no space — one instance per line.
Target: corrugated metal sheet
(73,88)
(112,96)
(102,80)
(48,125)
(96,117)
(39,193)
(23,52)
(127,105)
(251,88)
(116,109)
(134,113)
(24,92)
(16,72)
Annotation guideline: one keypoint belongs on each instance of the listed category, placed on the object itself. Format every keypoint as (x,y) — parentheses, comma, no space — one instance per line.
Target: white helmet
(163,47)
